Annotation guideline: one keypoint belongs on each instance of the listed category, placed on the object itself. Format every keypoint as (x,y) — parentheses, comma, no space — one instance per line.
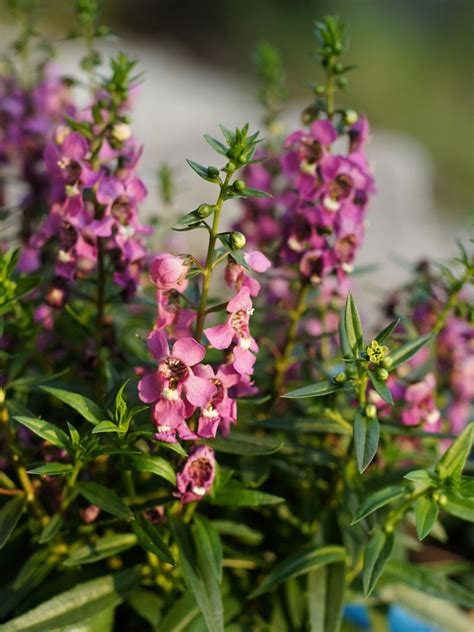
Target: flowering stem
(207,272)
(101,280)
(284,360)
(330,88)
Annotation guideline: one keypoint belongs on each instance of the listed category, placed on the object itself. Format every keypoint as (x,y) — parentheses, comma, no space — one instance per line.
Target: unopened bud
(443,500)
(382,375)
(212,172)
(389,528)
(387,362)
(341,82)
(338,68)
(237,240)
(239,185)
(121,132)
(340,378)
(351,117)
(338,48)
(370,411)
(204,210)
(2,395)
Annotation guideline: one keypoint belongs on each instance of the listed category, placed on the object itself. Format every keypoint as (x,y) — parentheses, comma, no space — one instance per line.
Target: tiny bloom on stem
(168,272)
(221,410)
(197,476)
(376,352)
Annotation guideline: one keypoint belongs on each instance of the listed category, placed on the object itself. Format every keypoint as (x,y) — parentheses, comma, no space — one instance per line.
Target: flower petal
(188,351)
(198,390)
(158,345)
(220,336)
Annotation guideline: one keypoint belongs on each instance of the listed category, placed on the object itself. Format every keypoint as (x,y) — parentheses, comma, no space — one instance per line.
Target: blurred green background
(415,61)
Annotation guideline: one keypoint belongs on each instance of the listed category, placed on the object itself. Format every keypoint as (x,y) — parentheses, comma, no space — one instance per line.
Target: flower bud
(387,362)
(389,528)
(212,172)
(205,210)
(382,375)
(237,240)
(319,90)
(2,395)
(121,132)
(370,411)
(443,500)
(338,48)
(340,378)
(350,117)
(341,82)
(338,68)
(239,185)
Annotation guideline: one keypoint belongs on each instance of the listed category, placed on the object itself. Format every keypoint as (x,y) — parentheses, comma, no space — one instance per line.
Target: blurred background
(414,81)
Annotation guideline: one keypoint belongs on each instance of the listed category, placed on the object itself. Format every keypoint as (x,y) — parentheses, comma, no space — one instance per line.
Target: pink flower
(221,410)
(168,272)
(197,476)
(422,407)
(173,389)
(236,331)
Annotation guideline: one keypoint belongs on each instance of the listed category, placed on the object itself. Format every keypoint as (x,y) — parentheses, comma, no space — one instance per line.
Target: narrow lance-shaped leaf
(453,460)
(377,500)
(150,539)
(101,549)
(75,605)
(105,498)
(10,514)
(83,405)
(208,540)
(46,430)
(366,439)
(299,563)
(387,331)
(381,388)
(151,463)
(377,554)
(314,390)
(52,469)
(408,350)
(426,513)
(201,170)
(459,506)
(353,326)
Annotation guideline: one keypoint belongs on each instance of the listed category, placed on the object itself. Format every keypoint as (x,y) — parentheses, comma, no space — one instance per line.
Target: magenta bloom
(422,408)
(221,410)
(235,331)
(168,272)
(197,476)
(174,390)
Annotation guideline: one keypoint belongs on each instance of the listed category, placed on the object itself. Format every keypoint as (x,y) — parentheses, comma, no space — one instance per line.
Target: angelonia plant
(214,438)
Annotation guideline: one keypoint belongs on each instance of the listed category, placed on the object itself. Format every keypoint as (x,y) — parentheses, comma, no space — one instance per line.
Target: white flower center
(348,267)
(163,428)
(331,204)
(433,417)
(245,343)
(171,394)
(199,491)
(210,412)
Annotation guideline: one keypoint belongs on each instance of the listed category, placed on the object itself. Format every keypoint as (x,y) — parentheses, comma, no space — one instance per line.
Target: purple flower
(197,475)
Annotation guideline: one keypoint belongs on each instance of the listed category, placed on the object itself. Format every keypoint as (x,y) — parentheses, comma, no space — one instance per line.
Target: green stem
(284,361)
(70,492)
(99,334)
(330,88)
(207,272)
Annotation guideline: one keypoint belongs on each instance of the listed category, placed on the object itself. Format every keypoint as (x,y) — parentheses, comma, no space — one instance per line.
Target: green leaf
(204,588)
(83,405)
(246,444)
(385,333)
(174,447)
(208,541)
(353,326)
(105,498)
(249,192)
(299,563)
(147,604)
(366,439)
(10,514)
(150,539)
(314,390)
(453,460)
(377,553)
(105,426)
(429,581)
(459,506)
(200,170)
(235,494)
(151,463)
(381,388)
(52,469)
(182,614)
(101,549)
(216,145)
(408,350)
(377,500)
(426,514)
(75,605)
(52,529)
(187,221)
(421,477)
(46,430)
(326,588)
(239,531)
(467,486)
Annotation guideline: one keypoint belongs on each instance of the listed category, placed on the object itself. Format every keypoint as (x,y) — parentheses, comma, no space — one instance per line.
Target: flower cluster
(95,194)
(27,120)
(182,384)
